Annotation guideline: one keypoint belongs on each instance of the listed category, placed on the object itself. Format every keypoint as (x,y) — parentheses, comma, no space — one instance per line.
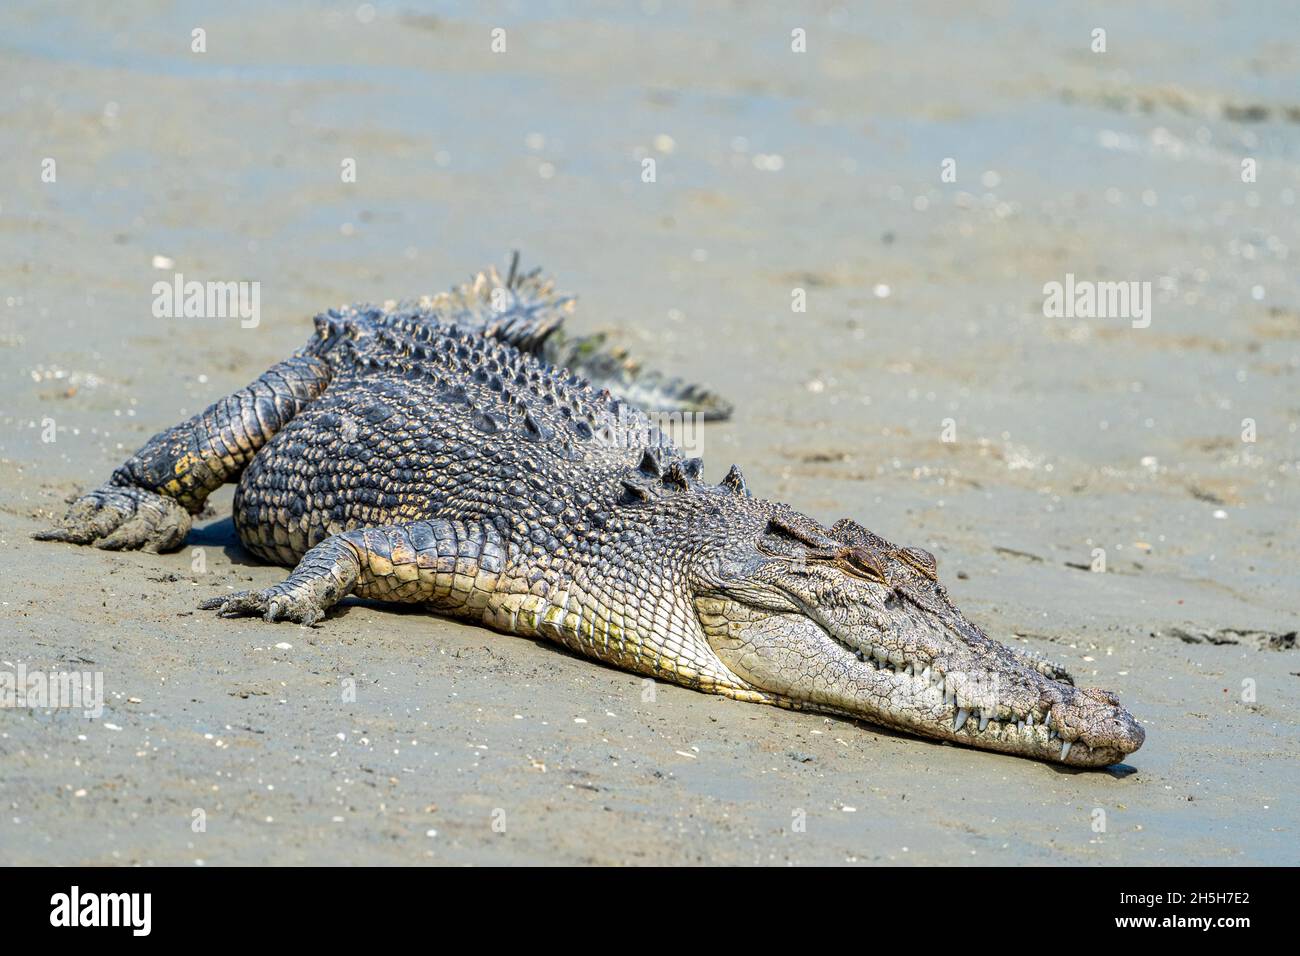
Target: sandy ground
(776,171)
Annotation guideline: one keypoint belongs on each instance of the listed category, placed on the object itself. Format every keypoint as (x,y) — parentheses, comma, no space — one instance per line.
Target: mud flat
(387,737)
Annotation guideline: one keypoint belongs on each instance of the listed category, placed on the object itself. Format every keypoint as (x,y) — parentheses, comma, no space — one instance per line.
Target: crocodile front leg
(453,566)
(148,501)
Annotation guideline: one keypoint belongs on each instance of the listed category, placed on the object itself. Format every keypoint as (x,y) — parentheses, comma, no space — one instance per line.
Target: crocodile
(525,310)
(429,455)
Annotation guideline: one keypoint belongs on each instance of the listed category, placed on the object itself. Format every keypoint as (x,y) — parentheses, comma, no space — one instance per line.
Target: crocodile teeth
(1065,749)
(960,720)
(861,657)
(1020,726)
(949,694)
(984,721)
(1029,720)
(925,675)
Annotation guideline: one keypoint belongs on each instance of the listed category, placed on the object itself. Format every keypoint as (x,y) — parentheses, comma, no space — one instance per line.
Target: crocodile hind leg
(149,500)
(454,566)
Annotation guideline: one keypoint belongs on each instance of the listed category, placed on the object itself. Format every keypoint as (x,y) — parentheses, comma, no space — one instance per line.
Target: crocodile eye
(921,560)
(862,563)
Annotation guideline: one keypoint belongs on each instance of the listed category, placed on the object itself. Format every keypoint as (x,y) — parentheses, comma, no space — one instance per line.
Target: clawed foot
(122,518)
(324,576)
(273,604)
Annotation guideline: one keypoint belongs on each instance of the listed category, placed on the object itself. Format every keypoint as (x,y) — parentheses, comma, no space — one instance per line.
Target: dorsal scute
(735,482)
(651,463)
(675,476)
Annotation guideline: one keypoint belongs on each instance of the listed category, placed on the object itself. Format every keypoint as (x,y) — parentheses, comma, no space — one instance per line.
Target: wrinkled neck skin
(841,621)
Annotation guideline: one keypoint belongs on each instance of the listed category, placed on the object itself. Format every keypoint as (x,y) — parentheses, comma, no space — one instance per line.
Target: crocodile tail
(523,309)
(609,366)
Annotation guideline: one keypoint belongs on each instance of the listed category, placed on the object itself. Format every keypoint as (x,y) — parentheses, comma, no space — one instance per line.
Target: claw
(61,534)
(281,607)
(130,535)
(233,605)
(119,518)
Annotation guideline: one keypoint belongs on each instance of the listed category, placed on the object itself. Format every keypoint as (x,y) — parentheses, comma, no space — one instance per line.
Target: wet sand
(775,171)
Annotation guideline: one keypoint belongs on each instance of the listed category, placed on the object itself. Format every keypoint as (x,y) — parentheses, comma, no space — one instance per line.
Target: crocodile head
(840,620)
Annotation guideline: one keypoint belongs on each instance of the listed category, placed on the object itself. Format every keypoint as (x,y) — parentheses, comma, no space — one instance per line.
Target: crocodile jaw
(940,678)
